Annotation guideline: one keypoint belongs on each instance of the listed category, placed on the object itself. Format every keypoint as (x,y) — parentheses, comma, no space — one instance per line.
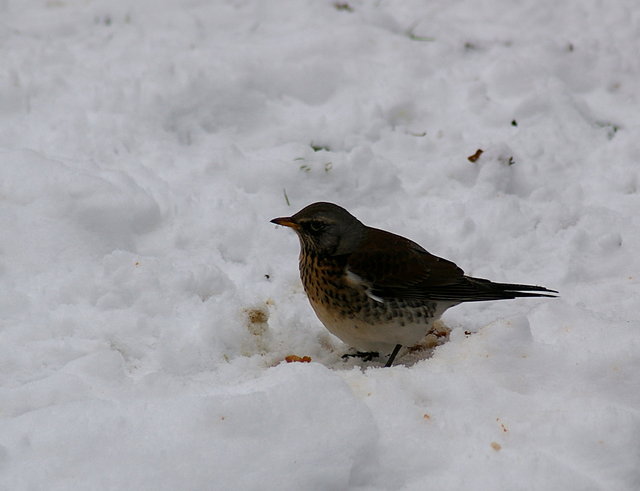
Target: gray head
(325,228)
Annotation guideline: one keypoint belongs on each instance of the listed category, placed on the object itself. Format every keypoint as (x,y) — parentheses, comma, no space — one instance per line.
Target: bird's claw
(364,355)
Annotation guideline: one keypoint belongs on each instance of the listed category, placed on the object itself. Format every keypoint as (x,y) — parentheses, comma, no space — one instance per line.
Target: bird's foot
(364,355)
(393,355)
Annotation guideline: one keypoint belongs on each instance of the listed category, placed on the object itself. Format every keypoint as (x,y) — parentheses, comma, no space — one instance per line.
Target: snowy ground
(147,303)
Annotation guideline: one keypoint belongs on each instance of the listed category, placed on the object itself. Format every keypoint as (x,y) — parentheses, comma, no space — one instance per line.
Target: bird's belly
(369,325)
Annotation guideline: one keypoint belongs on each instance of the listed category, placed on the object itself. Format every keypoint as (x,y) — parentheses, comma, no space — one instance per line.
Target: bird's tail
(488,290)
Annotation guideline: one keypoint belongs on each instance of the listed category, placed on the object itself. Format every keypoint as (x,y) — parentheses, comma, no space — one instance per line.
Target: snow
(147,304)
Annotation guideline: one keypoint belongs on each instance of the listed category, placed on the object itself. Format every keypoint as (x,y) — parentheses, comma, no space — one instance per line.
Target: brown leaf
(475,156)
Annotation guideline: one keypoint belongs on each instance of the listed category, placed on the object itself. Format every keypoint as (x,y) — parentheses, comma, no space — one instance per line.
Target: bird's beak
(286,222)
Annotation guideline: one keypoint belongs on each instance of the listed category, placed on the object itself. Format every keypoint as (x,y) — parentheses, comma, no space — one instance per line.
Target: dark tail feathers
(488,290)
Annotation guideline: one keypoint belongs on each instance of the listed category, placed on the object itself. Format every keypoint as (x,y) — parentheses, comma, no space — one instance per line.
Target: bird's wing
(390,266)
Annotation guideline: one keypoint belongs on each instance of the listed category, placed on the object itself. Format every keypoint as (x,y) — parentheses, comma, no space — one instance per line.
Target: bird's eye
(316,226)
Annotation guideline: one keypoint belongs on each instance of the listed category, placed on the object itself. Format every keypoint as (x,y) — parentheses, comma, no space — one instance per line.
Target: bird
(378,291)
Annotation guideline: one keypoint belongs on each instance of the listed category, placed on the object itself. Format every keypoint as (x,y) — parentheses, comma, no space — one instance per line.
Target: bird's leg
(365,355)
(393,354)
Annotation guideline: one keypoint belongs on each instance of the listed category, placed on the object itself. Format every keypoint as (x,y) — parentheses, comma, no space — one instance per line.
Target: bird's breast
(324,281)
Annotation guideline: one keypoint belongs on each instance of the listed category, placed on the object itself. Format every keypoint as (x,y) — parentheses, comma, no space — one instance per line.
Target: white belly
(369,332)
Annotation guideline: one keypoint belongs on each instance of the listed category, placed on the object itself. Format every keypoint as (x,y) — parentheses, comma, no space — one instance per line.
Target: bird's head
(325,228)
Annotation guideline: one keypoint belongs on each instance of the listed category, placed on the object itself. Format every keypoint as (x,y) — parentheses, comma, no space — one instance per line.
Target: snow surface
(147,304)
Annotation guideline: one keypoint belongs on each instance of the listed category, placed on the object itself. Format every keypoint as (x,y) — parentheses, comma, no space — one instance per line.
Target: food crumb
(297,359)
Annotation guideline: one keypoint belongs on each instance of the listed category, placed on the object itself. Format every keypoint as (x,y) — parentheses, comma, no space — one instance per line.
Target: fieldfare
(378,291)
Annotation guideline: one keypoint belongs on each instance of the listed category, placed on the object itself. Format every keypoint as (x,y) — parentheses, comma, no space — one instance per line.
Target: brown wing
(394,267)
